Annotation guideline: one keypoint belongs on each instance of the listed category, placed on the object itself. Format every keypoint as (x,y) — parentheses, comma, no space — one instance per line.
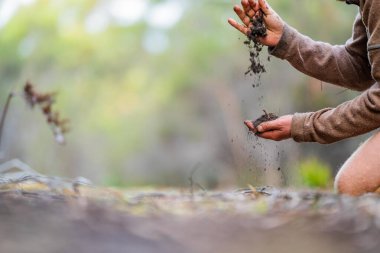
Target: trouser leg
(361,172)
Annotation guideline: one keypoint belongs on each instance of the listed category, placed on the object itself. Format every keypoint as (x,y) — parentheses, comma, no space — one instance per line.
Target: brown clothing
(355,65)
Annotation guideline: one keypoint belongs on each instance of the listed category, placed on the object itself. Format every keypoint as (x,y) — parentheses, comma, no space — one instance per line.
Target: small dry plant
(45,102)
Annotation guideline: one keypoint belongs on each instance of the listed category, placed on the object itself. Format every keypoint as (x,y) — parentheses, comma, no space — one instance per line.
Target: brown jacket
(355,65)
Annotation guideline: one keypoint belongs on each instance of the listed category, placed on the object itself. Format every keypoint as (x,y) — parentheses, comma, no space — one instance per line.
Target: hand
(276,130)
(273,22)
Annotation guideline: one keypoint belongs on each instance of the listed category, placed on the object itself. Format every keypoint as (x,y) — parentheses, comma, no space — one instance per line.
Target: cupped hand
(273,22)
(276,130)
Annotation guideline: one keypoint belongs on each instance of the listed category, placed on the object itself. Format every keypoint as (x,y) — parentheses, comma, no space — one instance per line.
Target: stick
(4,115)
(191,180)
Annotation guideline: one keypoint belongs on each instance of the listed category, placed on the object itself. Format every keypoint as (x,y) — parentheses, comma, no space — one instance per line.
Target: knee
(354,185)
(344,184)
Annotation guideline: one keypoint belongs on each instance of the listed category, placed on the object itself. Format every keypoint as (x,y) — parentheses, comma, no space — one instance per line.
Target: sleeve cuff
(282,48)
(298,127)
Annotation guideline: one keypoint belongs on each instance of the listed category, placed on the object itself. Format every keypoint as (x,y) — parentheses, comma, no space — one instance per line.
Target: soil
(264,118)
(254,220)
(257,30)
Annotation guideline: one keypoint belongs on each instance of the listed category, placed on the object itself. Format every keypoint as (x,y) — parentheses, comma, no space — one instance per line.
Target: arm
(344,65)
(354,117)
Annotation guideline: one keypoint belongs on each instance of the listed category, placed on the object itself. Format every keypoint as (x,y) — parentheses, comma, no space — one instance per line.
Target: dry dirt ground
(36,218)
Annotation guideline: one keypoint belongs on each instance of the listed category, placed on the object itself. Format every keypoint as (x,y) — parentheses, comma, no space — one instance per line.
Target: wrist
(278,35)
(281,49)
(298,127)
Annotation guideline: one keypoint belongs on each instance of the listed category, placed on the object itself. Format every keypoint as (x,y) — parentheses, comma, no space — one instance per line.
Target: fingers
(250,126)
(273,135)
(239,27)
(269,126)
(250,7)
(263,5)
(246,6)
(277,130)
(263,127)
(248,10)
(254,5)
(242,15)
(267,131)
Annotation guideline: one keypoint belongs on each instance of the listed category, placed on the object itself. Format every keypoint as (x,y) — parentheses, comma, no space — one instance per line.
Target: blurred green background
(154,89)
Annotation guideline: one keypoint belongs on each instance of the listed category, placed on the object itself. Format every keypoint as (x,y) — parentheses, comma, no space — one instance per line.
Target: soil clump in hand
(257,30)
(264,118)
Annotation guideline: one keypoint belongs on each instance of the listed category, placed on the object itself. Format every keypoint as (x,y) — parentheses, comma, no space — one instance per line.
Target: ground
(37,218)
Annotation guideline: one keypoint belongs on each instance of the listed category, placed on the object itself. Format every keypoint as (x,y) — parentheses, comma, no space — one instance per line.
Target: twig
(4,115)
(191,180)
(200,187)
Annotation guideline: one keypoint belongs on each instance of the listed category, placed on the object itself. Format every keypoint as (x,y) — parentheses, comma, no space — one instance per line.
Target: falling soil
(257,30)
(264,118)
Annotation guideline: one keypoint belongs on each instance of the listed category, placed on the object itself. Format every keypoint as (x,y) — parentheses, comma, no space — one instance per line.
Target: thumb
(267,126)
(264,6)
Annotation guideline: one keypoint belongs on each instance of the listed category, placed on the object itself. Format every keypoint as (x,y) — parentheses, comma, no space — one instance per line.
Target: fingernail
(260,128)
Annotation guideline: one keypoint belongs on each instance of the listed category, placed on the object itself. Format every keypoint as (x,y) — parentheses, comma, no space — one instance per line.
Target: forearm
(357,116)
(345,65)
(329,125)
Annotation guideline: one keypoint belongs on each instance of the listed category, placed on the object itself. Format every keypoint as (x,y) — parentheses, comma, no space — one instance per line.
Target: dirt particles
(257,30)
(264,118)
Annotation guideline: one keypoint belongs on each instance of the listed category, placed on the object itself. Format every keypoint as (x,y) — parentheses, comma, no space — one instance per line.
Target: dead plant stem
(4,115)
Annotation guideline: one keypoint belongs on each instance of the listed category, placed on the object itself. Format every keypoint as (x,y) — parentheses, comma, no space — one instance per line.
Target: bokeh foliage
(146,102)
(315,173)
